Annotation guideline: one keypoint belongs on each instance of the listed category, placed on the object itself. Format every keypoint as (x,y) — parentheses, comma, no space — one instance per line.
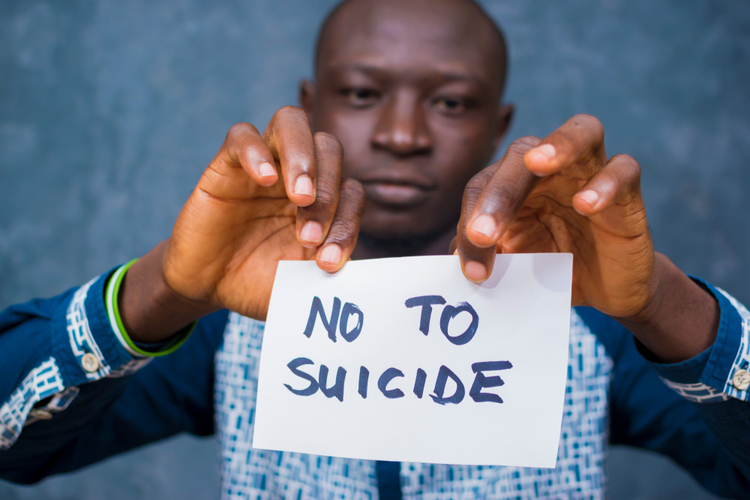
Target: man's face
(414,97)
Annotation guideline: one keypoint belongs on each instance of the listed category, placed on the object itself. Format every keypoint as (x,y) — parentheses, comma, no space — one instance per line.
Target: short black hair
(498,32)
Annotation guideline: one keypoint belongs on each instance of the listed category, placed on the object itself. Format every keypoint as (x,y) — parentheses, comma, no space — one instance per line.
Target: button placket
(90,362)
(741,380)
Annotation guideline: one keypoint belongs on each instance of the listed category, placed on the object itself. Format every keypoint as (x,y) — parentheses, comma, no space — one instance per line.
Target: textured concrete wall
(109,111)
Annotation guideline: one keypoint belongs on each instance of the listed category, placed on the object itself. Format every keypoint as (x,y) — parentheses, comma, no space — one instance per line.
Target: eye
(450,105)
(360,98)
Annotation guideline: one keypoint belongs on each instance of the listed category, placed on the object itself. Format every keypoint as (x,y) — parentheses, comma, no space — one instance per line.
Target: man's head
(412,89)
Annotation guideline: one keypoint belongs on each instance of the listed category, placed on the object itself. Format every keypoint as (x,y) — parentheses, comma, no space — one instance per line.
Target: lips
(397,189)
(397,195)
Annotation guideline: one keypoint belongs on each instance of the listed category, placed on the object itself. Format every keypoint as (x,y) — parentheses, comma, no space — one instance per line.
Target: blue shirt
(71,394)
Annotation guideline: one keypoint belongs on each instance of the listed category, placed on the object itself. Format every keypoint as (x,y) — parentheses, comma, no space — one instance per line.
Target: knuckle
(476,183)
(471,196)
(325,198)
(630,166)
(523,144)
(475,187)
(343,231)
(503,195)
(328,142)
(239,130)
(481,178)
(290,113)
(472,192)
(354,198)
(627,160)
(328,146)
(353,188)
(591,122)
(586,119)
(298,164)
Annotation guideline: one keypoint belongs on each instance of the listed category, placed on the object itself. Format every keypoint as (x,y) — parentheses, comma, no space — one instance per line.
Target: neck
(437,243)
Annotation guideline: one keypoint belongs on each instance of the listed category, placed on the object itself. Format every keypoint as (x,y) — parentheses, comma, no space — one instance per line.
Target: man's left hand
(562,194)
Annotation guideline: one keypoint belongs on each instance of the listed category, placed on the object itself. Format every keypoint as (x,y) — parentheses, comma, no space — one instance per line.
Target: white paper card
(416,363)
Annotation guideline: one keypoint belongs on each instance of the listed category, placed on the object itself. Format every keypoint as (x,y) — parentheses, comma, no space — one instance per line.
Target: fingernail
(547,150)
(331,254)
(589,196)
(311,232)
(265,169)
(485,225)
(303,186)
(475,271)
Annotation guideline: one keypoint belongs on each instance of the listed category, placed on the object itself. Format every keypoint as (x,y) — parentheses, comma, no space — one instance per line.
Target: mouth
(395,194)
(397,189)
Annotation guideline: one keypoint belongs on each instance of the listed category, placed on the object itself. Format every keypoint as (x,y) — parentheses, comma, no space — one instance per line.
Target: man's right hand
(263,198)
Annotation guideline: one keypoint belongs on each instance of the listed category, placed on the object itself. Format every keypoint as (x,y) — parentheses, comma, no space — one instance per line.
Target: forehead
(414,38)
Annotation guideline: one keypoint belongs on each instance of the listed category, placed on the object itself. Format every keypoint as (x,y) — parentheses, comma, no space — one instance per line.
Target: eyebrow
(376,71)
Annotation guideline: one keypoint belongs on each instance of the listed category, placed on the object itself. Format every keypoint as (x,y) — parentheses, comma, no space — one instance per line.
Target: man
(412,90)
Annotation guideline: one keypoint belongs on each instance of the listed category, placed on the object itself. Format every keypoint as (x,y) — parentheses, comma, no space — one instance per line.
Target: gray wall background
(109,112)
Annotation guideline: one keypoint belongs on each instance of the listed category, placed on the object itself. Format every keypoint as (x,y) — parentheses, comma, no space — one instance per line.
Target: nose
(402,127)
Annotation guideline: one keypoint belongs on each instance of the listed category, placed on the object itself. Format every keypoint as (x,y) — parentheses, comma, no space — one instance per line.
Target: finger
(342,236)
(579,142)
(453,246)
(245,147)
(503,196)
(476,262)
(314,221)
(290,139)
(617,183)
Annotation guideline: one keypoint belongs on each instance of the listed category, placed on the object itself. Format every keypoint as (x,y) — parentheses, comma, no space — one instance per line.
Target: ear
(306,97)
(504,118)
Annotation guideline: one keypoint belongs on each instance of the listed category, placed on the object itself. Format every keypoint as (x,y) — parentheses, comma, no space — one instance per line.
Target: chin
(399,227)
(389,233)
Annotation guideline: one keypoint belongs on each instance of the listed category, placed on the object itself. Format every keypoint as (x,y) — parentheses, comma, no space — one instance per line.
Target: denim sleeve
(720,373)
(72,394)
(686,411)
(716,383)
